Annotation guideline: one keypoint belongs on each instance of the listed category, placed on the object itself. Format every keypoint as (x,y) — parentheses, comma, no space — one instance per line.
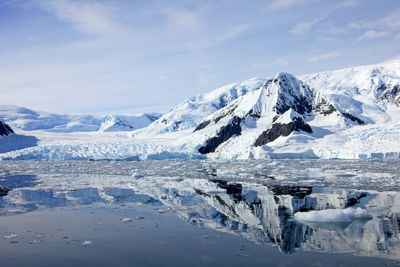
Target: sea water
(180,213)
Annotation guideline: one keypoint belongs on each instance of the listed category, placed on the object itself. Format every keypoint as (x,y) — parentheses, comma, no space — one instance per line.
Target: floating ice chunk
(137,175)
(333,215)
(126,220)
(226,173)
(86,243)
(39,235)
(161,211)
(9,236)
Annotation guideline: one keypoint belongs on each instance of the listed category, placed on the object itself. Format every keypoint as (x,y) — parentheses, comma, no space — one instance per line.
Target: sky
(121,57)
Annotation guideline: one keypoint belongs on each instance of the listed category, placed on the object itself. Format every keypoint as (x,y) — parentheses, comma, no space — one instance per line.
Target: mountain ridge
(347,113)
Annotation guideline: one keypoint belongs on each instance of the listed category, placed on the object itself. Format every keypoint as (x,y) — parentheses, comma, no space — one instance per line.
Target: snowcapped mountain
(30,120)
(348,113)
(191,112)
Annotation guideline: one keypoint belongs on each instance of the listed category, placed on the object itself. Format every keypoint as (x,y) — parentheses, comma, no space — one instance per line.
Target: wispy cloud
(232,33)
(90,17)
(347,3)
(182,19)
(281,4)
(371,34)
(392,20)
(323,56)
(381,27)
(304,27)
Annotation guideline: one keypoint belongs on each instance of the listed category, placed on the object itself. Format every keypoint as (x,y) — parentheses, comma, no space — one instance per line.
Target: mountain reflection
(262,214)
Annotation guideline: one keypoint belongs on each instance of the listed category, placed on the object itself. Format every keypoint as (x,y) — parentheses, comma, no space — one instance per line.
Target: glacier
(351,113)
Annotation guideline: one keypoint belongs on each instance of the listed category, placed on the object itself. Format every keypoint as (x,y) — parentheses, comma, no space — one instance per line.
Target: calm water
(198,213)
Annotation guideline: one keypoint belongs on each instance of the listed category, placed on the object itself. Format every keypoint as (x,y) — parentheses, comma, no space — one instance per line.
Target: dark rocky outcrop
(324,107)
(152,117)
(120,123)
(389,93)
(3,191)
(202,125)
(352,118)
(226,132)
(5,129)
(298,102)
(280,129)
(230,110)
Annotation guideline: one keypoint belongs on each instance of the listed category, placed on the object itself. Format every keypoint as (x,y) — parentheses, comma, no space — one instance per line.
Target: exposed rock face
(3,191)
(389,93)
(324,107)
(5,129)
(219,115)
(292,94)
(279,129)
(226,132)
(281,97)
(202,125)
(282,93)
(353,118)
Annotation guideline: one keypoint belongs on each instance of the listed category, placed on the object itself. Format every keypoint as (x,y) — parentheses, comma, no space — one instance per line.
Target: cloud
(392,20)
(372,34)
(183,20)
(281,4)
(90,17)
(347,3)
(304,27)
(323,56)
(232,33)
(382,27)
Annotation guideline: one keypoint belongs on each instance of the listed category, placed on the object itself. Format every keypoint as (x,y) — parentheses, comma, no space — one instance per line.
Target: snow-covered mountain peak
(280,94)
(194,110)
(355,80)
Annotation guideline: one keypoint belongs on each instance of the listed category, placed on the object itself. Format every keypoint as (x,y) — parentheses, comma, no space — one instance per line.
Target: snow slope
(350,113)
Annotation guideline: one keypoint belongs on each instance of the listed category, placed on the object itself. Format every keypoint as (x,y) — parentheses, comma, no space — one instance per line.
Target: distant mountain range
(30,120)
(347,113)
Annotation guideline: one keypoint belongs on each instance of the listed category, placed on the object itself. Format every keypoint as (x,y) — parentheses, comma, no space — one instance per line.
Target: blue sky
(96,56)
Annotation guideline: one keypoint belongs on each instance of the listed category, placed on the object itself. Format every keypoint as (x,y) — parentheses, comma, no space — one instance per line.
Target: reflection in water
(262,214)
